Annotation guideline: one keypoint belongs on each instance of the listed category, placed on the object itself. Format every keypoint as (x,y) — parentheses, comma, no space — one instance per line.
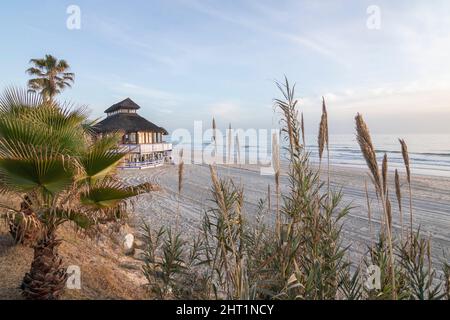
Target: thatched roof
(127,122)
(125,104)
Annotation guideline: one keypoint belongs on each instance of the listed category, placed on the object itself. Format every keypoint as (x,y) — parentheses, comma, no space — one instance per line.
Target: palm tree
(50,159)
(51,76)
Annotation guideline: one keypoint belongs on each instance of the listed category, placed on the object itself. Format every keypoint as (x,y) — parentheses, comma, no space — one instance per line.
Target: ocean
(429,153)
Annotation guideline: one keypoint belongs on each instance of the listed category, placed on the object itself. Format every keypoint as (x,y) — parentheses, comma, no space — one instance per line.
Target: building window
(132,137)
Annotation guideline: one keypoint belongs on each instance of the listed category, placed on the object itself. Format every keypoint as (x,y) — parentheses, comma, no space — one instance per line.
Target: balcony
(142,164)
(146,148)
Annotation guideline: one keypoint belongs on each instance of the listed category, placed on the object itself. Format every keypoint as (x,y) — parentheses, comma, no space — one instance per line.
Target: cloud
(252,24)
(425,41)
(392,108)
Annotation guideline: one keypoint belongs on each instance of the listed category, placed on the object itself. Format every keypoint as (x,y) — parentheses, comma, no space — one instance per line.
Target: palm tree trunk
(47,277)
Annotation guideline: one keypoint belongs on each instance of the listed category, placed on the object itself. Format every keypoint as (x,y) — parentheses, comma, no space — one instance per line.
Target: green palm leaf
(27,168)
(102,158)
(111,194)
(15,100)
(81,220)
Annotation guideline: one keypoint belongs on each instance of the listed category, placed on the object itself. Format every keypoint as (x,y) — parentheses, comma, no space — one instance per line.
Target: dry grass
(405,156)
(302,127)
(398,193)
(368,151)
(367,148)
(106,272)
(276,167)
(384,172)
(323,139)
(15,261)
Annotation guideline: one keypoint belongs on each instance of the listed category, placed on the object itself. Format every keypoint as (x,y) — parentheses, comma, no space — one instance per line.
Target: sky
(187,60)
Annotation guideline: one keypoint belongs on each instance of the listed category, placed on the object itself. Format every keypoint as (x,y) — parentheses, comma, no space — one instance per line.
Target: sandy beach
(431,201)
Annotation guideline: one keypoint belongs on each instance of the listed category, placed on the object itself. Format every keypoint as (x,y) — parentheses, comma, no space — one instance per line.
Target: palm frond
(15,99)
(25,168)
(102,158)
(109,194)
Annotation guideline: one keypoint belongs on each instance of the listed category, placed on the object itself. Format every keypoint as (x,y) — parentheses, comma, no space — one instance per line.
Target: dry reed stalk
(384,170)
(369,213)
(289,110)
(302,127)
(398,193)
(323,141)
(221,201)
(405,155)
(324,111)
(276,167)
(327,140)
(323,130)
(269,198)
(368,151)
(323,136)
(180,184)
(389,212)
(430,264)
(365,142)
(218,190)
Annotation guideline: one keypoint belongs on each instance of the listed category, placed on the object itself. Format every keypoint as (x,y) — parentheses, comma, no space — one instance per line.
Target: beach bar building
(142,140)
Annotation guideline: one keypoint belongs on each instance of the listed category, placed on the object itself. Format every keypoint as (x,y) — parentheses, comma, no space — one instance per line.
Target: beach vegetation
(301,254)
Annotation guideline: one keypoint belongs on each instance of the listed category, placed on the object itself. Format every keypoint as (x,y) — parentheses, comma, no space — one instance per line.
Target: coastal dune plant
(323,140)
(302,128)
(223,230)
(405,156)
(300,255)
(446,279)
(415,259)
(180,184)
(380,182)
(309,255)
(323,136)
(412,275)
(50,159)
(162,273)
(277,171)
(398,193)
